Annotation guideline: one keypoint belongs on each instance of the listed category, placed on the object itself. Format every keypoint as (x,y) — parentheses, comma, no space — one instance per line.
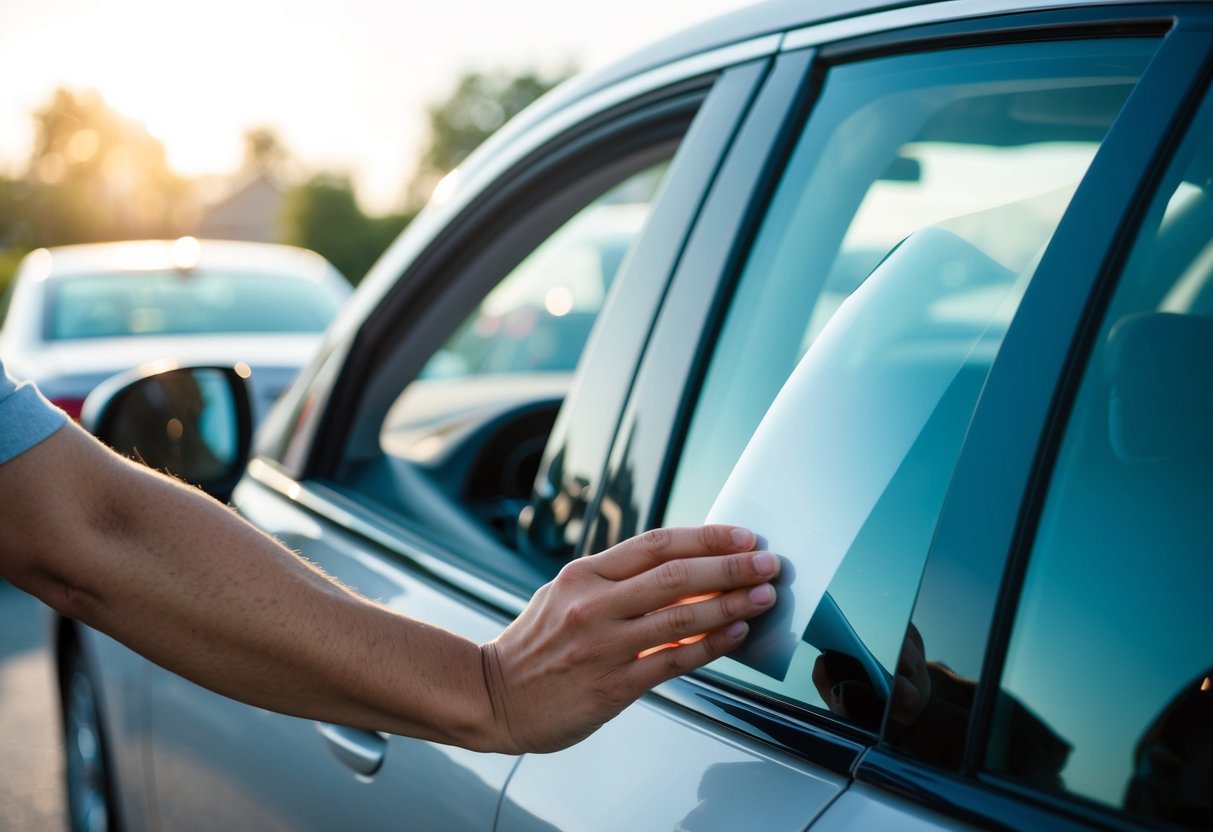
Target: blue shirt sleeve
(26,417)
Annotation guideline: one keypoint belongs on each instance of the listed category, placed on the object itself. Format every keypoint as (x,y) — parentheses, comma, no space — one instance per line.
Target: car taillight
(70,406)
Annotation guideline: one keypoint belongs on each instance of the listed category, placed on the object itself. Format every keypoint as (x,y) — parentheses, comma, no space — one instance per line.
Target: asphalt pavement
(31,761)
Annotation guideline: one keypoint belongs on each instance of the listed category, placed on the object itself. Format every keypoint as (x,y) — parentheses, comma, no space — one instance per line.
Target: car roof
(747,23)
(186,252)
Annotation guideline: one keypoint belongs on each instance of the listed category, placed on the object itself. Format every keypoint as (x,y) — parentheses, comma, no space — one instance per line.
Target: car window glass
(119,304)
(528,332)
(905,227)
(1107,690)
(538,318)
(460,444)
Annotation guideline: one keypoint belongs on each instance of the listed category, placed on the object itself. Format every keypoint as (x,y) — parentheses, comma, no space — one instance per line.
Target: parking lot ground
(31,762)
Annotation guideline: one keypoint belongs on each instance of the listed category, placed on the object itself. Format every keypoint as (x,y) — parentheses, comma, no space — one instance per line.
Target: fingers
(673,661)
(677,580)
(676,623)
(657,546)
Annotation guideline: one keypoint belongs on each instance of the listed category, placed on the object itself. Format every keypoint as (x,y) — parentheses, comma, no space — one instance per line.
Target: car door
(880,248)
(399,462)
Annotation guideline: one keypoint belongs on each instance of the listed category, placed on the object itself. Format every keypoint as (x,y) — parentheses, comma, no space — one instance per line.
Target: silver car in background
(80,314)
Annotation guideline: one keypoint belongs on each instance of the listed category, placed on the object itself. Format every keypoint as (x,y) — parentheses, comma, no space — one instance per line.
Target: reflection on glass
(538,318)
(181,421)
(526,337)
(907,224)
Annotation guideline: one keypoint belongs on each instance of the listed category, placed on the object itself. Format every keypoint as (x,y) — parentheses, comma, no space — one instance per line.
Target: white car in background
(80,314)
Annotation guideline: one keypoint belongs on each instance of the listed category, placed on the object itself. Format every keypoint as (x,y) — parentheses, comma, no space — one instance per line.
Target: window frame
(695,104)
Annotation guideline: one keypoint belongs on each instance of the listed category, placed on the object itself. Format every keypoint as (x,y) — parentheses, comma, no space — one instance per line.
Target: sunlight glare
(558,301)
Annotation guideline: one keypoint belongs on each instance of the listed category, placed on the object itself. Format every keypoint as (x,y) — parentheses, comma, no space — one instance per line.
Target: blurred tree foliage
(479,104)
(93,175)
(96,175)
(264,150)
(323,214)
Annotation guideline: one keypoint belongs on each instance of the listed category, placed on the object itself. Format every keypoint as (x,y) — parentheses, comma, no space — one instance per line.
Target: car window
(526,336)
(904,229)
(462,434)
(1107,689)
(538,318)
(117,304)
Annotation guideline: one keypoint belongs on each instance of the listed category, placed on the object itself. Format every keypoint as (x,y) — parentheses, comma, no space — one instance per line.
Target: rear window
(117,304)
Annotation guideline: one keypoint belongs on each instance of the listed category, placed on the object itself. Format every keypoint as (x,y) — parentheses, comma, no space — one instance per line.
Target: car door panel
(219,762)
(121,678)
(667,770)
(863,807)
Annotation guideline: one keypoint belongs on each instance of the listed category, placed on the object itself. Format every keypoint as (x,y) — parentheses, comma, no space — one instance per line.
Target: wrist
(493,732)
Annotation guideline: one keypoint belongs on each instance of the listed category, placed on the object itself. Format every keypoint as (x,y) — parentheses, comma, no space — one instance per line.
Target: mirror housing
(194,423)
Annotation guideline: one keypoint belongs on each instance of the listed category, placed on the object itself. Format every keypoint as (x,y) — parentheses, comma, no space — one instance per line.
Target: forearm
(182,580)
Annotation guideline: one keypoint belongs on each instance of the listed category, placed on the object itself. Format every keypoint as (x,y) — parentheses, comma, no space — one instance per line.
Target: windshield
(119,304)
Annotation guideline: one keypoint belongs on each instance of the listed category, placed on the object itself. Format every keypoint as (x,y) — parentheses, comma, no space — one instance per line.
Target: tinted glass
(900,239)
(1107,690)
(117,304)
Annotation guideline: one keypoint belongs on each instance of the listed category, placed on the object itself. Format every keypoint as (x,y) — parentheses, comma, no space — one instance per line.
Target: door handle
(359,749)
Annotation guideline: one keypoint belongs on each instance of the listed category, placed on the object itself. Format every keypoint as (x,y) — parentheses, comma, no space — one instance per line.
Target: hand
(912,684)
(573,660)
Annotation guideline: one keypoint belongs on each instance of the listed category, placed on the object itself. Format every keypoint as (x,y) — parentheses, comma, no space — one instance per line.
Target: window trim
(639,457)
(977,802)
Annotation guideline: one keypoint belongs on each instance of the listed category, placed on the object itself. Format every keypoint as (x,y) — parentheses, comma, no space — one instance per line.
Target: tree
(323,214)
(93,175)
(264,151)
(478,106)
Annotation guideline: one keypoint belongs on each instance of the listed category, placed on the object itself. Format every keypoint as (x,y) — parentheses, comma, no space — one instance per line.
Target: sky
(344,84)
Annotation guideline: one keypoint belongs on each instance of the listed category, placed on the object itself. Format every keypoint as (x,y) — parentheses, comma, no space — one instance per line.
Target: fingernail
(737,630)
(743,539)
(761,594)
(764,563)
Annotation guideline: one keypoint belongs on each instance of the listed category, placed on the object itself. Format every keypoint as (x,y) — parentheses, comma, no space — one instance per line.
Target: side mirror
(194,423)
